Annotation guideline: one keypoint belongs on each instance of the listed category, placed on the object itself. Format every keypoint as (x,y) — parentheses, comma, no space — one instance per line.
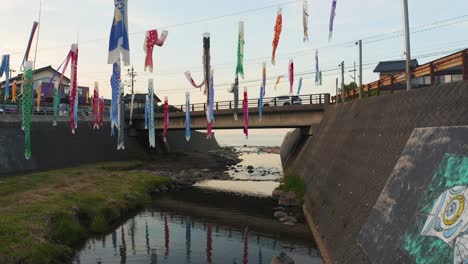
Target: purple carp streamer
(264,78)
(299,87)
(191,81)
(115,84)
(121,132)
(245,107)
(305,20)
(240,51)
(235,91)
(332,19)
(96,105)
(276,38)
(131,109)
(118,41)
(317,69)
(278,79)
(27,107)
(188,132)
(5,69)
(151,132)
(166,117)
(28,48)
(291,76)
(151,40)
(260,103)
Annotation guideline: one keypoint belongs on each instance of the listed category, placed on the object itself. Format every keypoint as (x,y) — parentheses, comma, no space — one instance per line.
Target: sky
(88,22)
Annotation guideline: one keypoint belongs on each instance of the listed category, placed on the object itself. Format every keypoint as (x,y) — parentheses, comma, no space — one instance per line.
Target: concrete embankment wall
(349,158)
(56,147)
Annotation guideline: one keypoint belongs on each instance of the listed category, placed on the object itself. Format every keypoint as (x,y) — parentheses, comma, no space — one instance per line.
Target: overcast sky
(88,22)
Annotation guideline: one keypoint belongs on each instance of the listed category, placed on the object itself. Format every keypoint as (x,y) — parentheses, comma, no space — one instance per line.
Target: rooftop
(393,66)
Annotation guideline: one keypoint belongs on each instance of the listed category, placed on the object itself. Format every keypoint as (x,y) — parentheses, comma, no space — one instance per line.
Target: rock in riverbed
(280,214)
(283,258)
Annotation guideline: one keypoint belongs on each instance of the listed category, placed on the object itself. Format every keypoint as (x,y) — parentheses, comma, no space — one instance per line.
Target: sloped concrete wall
(348,161)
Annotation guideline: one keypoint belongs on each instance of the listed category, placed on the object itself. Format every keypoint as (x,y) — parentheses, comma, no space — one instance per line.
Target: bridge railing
(269,101)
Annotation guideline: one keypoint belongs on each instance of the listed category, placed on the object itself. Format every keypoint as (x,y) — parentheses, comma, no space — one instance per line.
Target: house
(388,68)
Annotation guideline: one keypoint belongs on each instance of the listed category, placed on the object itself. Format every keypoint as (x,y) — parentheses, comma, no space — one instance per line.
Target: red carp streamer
(245,106)
(101,111)
(166,117)
(192,82)
(151,40)
(73,86)
(278,28)
(96,105)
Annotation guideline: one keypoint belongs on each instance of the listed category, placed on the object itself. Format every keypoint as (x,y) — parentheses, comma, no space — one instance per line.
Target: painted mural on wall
(440,234)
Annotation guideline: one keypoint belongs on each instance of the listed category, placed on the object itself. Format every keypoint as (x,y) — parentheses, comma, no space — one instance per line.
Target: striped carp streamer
(166,117)
(278,79)
(151,40)
(96,105)
(299,86)
(235,91)
(39,95)
(14,91)
(118,41)
(264,78)
(278,28)
(210,109)
(73,88)
(317,70)
(291,76)
(121,132)
(188,131)
(260,103)
(56,103)
(240,51)
(146,111)
(152,140)
(27,104)
(5,69)
(305,20)
(245,107)
(28,48)
(101,111)
(131,109)
(115,84)
(332,19)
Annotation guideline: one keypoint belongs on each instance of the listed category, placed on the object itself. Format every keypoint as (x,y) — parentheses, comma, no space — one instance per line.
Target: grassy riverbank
(43,214)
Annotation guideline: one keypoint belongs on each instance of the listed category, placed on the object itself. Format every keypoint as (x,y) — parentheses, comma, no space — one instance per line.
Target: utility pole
(408,48)
(360,69)
(342,83)
(132,74)
(336,96)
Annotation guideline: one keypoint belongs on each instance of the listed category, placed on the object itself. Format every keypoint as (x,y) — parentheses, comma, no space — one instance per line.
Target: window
(457,77)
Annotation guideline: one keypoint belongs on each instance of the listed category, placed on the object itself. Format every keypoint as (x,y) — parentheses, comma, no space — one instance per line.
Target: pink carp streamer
(73,87)
(264,78)
(291,76)
(166,117)
(278,28)
(245,106)
(101,111)
(39,95)
(192,82)
(305,20)
(332,19)
(278,79)
(28,48)
(96,105)
(151,40)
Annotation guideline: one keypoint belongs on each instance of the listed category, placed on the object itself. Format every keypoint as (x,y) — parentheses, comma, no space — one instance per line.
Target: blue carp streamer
(115,84)
(5,69)
(151,132)
(188,132)
(260,103)
(299,87)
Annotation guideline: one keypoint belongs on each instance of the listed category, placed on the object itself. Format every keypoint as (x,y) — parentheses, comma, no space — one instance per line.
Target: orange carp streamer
(278,28)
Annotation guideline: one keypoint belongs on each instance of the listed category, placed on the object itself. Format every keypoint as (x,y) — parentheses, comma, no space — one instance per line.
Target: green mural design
(451,173)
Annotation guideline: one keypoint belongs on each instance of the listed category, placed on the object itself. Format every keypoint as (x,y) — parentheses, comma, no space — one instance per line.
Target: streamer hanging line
(121,115)
(299,87)
(278,79)
(291,76)
(39,95)
(131,109)
(245,107)
(73,88)
(317,70)
(28,48)
(240,51)
(152,140)
(56,103)
(27,107)
(332,19)
(264,78)
(235,91)
(118,41)
(96,105)
(276,38)
(188,131)
(115,84)
(305,20)
(166,118)
(151,40)
(260,103)
(5,69)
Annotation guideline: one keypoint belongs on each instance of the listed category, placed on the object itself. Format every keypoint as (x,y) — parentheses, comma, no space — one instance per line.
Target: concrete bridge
(278,114)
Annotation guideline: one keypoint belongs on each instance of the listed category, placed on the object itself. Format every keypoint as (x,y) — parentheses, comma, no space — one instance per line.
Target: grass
(294,183)
(43,215)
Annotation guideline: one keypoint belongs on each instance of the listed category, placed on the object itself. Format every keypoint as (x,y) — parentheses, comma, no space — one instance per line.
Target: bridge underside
(296,116)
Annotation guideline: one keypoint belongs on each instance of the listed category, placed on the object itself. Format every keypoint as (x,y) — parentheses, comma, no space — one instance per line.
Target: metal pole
(133,78)
(336,96)
(360,69)
(342,83)
(408,48)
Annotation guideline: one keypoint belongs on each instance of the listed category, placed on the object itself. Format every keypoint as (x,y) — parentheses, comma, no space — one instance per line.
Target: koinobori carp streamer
(166,117)
(245,107)
(96,105)
(5,69)
(115,84)
(276,38)
(121,116)
(291,76)
(73,88)
(305,20)
(119,44)
(27,104)
(332,19)
(188,132)
(151,40)
(240,51)
(151,132)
